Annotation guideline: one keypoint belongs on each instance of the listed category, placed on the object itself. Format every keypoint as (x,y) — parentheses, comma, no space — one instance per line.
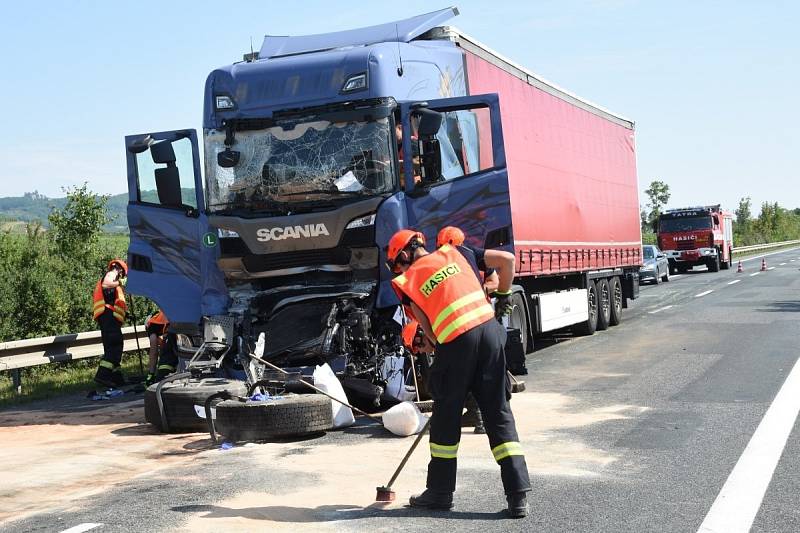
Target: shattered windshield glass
(301,162)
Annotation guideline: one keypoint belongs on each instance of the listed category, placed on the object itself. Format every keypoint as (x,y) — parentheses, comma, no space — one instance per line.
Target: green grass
(48,381)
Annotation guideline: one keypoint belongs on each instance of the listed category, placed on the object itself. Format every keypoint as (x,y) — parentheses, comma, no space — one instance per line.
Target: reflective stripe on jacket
(444,286)
(119,307)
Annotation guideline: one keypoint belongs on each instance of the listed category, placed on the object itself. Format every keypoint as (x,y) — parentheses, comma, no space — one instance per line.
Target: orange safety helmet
(450,235)
(122,264)
(395,251)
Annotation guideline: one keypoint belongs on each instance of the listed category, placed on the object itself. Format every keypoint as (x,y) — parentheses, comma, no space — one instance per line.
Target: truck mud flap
(630,287)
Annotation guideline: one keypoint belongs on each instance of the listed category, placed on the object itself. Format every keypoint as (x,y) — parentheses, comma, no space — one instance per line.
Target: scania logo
(291,232)
(685,238)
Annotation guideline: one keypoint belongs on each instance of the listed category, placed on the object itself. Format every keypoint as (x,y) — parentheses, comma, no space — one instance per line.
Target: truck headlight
(361,222)
(223,103)
(355,83)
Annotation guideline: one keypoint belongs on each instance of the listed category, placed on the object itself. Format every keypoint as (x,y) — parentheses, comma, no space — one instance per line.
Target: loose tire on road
(293,415)
(616,301)
(589,326)
(180,397)
(603,304)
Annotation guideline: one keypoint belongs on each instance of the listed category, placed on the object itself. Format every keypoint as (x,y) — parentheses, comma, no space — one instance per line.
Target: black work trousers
(109,370)
(168,358)
(474,362)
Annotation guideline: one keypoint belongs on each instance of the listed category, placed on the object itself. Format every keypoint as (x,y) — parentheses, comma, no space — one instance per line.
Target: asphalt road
(645,423)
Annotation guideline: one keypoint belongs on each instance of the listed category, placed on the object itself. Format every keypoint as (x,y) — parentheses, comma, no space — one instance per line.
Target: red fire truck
(695,236)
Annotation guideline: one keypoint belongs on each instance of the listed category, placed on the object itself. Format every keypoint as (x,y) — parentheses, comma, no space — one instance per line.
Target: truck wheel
(616,301)
(713,265)
(683,269)
(727,264)
(180,397)
(289,415)
(519,319)
(672,269)
(603,304)
(589,326)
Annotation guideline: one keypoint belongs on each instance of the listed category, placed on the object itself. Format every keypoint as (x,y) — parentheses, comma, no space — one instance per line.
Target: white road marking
(660,309)
(765,255)
(771,268)
(740,499)
(703,293)
(791,260)
(781,264)
(734,281)
(755,274)
(80,528)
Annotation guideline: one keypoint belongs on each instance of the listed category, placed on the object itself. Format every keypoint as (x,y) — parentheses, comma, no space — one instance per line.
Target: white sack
(404,419)
(325,379)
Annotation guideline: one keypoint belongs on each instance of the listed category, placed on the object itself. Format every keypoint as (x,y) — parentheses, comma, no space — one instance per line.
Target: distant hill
(33,206)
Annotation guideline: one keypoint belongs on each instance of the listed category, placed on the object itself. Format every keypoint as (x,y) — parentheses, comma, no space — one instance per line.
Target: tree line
(47,276)
(773,224)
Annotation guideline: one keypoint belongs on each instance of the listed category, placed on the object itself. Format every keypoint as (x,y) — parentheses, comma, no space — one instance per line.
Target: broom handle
(408,453)
(307,384)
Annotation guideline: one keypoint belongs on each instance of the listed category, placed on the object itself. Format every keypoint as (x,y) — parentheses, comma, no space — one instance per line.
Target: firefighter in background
(168,358)
(109,309)
(455,237)
(156,326)
(444,292)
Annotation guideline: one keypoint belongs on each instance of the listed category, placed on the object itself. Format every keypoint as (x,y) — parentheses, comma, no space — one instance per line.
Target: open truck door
(173,250)
(458,166)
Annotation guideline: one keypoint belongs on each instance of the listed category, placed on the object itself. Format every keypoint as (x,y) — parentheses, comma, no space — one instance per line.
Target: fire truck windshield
(670,225)
(311,162)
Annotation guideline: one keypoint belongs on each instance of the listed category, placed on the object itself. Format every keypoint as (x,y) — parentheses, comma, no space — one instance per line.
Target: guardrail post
(16,380)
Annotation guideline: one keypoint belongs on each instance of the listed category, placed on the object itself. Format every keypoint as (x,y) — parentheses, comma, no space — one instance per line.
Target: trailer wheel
(589,326)
(291,415)
(603,304)
(180,397)
(616,301)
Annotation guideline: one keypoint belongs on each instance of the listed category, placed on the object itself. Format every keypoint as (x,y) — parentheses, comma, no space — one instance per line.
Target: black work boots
(431,499)
(517,504)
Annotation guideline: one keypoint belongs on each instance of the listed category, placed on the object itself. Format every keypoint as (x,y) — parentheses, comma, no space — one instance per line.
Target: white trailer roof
(466,42)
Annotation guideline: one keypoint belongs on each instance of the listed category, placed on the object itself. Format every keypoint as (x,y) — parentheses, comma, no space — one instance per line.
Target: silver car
(656,265)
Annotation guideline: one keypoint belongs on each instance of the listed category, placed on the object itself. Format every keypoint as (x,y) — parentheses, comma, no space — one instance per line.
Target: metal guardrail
(757,247)
(16,355)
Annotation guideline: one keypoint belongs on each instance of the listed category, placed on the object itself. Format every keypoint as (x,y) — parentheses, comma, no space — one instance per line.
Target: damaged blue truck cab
(304,181)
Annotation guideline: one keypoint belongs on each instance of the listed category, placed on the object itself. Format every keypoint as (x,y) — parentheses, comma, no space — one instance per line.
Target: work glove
(123,281)
(502,304)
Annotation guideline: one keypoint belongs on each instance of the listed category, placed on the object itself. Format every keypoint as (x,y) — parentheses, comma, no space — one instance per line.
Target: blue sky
(712,86)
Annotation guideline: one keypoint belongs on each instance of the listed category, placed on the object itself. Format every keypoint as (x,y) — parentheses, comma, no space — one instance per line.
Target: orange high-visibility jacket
(119,308)
(444,286)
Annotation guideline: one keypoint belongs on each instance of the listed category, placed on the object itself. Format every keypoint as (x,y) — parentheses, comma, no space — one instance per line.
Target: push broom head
(385,494)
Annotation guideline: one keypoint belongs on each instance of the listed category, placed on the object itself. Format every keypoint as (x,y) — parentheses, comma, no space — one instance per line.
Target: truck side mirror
(431,161)
(429,123)
(716,220)
(228,158)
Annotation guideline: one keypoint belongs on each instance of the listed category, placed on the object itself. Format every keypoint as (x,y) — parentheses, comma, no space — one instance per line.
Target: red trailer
(573,190)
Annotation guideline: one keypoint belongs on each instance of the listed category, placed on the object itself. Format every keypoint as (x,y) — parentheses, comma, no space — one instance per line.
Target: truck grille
(686,245)
(265,262)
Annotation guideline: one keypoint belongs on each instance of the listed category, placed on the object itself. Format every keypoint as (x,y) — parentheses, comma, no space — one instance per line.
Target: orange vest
(444,286)
(119,308)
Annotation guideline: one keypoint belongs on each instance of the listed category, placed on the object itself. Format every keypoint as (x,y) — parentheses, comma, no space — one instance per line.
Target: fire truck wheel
(616,301)
(179,399)
(603,304)
(713,264)
(288,415)
(589,326)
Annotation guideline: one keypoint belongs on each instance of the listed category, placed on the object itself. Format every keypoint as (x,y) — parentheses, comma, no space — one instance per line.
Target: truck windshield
(669,225)
(310,163)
